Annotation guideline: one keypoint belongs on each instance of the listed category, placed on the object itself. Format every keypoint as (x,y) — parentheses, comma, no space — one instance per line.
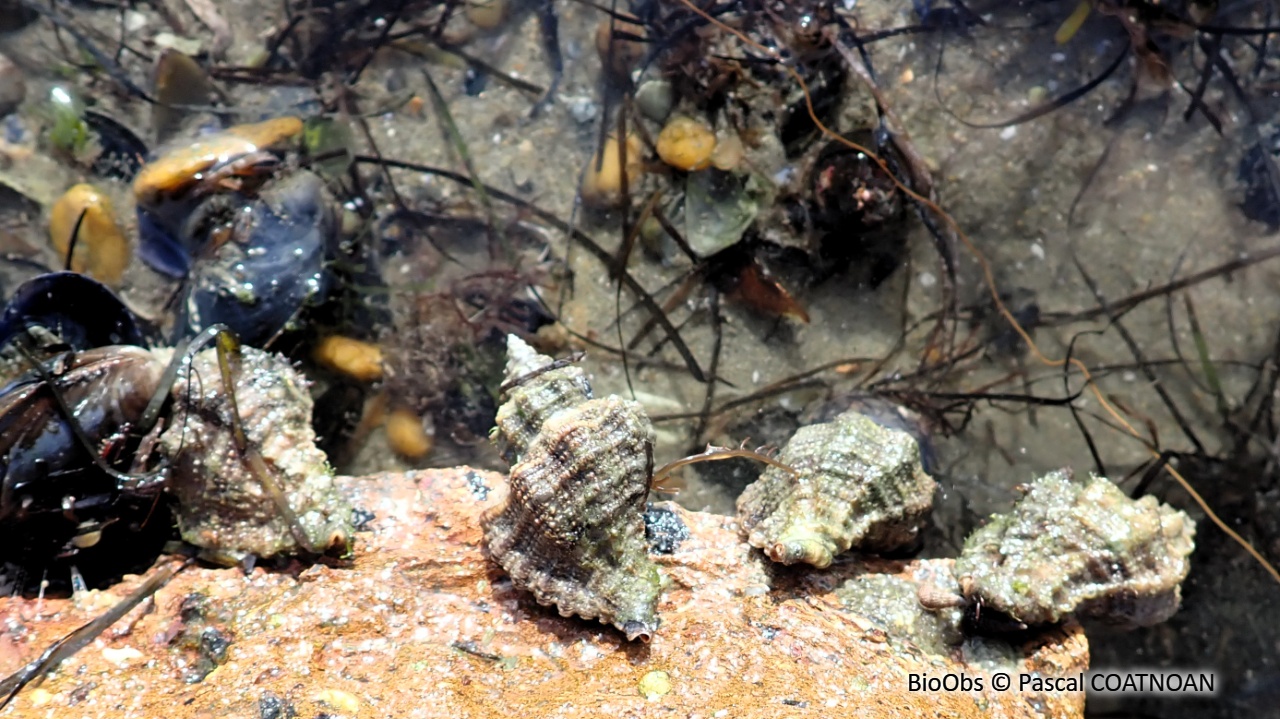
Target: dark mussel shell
(858,211)
(122,153)
(159,249)
(272,267)
(83,312)
(1261,179)
(53,492)
(171,189)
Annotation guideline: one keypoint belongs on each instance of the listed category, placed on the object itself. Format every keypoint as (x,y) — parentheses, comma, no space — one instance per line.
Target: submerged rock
(855,484)
(891,602)
(1081,548)
(421,625)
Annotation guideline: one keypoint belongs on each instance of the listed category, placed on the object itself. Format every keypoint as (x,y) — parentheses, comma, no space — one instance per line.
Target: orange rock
(357,359)
(407,435)
(686,144)
(424,625)
(602,183)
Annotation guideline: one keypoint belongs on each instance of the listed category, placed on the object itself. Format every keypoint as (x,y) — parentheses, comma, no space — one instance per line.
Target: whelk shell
(855,484)
(1080,547)
(570,528)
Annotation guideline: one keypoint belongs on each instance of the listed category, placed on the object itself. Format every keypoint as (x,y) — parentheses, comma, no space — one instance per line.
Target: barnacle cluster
(570,527)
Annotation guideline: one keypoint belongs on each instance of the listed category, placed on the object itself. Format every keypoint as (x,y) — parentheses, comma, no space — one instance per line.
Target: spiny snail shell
(570,527)
(1080,547)
(222,506)
(856,483)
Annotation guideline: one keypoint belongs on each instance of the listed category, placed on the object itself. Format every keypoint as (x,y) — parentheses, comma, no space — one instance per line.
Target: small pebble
(184,45)
(487,14)
(338,700)
(686,144)
(664,530)
(729,151)
(655,99)
(134,21)
(1008,133)
(582,108)
(121,656)
(655,684)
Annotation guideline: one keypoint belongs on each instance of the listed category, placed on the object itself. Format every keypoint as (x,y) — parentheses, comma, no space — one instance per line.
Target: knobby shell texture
(1080,547)
(570,527)
(222,506)
(856,484)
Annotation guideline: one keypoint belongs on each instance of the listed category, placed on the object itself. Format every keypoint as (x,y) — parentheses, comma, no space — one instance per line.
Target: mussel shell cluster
(224,213)
(272,267)
(250,247)
(72,352)
(52,492)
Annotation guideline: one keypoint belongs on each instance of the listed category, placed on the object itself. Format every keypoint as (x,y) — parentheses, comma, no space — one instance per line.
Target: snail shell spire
(536,389)
(570,527)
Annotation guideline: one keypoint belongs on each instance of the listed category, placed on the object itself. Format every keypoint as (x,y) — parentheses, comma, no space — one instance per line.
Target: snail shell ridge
(570,527)
(855,484)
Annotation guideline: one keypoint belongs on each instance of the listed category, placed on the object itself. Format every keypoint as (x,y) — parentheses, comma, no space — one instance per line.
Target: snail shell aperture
(570,527)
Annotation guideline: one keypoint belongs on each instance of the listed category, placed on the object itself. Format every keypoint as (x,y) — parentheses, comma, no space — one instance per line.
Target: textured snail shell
(855,484)
(222,506)
(570,528)
(1080,547)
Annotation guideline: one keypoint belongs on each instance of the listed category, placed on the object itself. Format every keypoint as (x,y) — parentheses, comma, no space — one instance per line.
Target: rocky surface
(423,625)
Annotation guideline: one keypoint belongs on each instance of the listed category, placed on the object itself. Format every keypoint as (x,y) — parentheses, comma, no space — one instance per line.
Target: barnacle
(1080,547)
(570,528)
(853,483)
